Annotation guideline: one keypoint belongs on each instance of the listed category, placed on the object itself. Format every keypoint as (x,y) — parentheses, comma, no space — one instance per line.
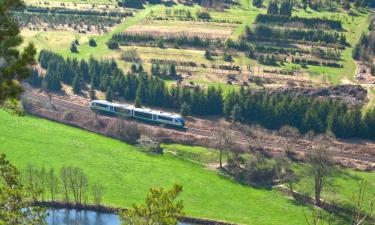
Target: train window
(122,110)
(165,118)
(142,115)
(101,105)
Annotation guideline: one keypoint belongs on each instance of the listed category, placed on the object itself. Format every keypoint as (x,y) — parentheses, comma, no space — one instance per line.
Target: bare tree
(98,191)
(64,175)
(364,205)
(322,166)
(125,131)
(42,181)
(78,184)
(223,140)
(52,183)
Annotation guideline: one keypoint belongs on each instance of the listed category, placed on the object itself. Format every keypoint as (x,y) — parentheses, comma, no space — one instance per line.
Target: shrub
(92,42)
(125,131)
(113,44)
(203,15)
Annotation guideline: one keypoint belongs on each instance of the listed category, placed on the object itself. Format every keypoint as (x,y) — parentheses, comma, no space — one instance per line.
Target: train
(145,114)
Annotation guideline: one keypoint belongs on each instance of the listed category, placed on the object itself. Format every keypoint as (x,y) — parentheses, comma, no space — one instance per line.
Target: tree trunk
(221,160)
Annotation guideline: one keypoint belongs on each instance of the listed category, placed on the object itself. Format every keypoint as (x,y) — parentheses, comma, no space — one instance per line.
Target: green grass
(127,174)
(195,153)
(75,1)
(345,186)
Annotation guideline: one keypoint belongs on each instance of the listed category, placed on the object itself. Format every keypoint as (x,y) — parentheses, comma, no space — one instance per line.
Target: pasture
(127,173)
(161,21)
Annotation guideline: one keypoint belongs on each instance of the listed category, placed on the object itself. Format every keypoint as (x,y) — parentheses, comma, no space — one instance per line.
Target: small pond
(83,217)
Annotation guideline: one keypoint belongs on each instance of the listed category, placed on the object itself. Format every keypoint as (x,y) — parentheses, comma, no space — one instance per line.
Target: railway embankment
(358,154)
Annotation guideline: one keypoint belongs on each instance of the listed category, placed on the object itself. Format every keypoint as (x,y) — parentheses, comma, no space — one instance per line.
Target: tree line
(136,86)
(270,110)
(286,21)
(305,113)
(178,41)
(24,19)
(364,50)
(285,9)
(35,9)
(70,184)
(265,32)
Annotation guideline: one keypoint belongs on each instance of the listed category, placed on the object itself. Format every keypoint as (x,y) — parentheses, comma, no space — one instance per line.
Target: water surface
(83,217)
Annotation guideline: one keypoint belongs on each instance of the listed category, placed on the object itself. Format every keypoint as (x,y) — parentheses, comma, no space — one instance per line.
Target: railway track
(56,103)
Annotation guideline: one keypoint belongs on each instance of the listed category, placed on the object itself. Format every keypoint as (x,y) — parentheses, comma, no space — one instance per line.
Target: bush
(92,43)
(113,44)
(203,15)
(125,131)
(73,48)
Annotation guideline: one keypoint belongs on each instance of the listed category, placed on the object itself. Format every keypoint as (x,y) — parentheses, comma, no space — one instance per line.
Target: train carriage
(138,113)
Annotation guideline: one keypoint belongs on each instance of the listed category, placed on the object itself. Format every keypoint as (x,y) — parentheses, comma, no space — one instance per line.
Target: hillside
(127,174)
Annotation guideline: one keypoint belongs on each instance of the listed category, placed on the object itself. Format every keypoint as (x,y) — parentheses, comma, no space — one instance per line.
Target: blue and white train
(131,111)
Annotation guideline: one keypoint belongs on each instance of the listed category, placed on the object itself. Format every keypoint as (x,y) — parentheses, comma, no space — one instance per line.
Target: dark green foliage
(77,85)
(207,55)
(15,198)
(136,4)
(305,113)
(35,80)
(92,42)
(227,57)
(269,60)
(113,44)
(52,80)
(14,64)
(126,39)
(365,48)
(203,15)
(107,77)
(172,70)
(264,32)
(73,48)
(270,110)
(310,23)
(185,109)
(257,3)
(286,8)
(273,8)
(373,69)
(92,92)
(109,94)
(364,3)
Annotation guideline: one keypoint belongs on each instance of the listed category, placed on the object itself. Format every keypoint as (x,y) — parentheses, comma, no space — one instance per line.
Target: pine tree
(236,113)
(185,109)
(138,102)
(273,8)
(92,92)
(207,55)
(77,86)
(92,42)
(286,8)
(14,65)
(109,94)
(73,48)
(172,70)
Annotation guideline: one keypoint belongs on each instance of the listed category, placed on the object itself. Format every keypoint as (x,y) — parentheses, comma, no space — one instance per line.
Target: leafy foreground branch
(15,198)
(160,207)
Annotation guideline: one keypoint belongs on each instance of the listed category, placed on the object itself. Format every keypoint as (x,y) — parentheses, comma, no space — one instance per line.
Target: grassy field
(75,1)
(128,174)
(344,185)
(244,12)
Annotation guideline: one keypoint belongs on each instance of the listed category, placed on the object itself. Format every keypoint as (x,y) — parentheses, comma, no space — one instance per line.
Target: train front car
(179,121)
